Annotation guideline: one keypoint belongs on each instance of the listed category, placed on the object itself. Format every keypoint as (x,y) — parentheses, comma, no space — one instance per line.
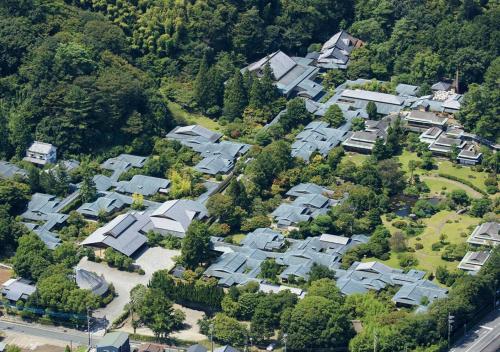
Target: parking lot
(150,260)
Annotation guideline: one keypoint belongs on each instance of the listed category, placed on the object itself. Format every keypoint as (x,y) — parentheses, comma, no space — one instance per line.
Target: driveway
(150,260)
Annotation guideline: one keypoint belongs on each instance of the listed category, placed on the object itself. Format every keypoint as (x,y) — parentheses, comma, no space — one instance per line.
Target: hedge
(465,182)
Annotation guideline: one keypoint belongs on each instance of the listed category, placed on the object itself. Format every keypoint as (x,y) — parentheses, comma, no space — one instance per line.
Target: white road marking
(485,327)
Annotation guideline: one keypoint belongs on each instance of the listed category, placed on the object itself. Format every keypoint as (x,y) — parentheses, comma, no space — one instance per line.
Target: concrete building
(40,153)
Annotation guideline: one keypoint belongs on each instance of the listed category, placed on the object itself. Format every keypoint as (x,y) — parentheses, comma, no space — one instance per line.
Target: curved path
(472,192)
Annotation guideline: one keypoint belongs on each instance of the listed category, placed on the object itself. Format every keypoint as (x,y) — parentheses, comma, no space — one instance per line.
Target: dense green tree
(318,322)
(295,115)
(235,97)
(32,257)
(248,33)
(195,245)
(334,116)
(371,109)
(157,313)
(14,194)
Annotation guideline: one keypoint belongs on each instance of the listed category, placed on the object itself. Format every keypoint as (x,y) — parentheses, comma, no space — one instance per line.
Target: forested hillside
(84,74)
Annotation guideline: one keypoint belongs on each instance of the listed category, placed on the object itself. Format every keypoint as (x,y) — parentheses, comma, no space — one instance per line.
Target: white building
(41,153)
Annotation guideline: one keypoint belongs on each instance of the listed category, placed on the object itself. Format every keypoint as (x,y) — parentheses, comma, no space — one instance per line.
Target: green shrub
(419,246)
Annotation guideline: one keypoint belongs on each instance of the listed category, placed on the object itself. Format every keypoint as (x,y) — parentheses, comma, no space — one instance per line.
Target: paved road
(485,337)
(59,334)
(47,332)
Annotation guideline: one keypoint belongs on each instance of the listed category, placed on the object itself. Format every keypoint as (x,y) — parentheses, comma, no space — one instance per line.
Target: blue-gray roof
(317,136)
(88,280)
(145,185)
(265,239)
(407,90)
(123,233)
(122,163)
(193,136)
(106,204)
(8,170)
(114,339)
(214,165)
(16,289)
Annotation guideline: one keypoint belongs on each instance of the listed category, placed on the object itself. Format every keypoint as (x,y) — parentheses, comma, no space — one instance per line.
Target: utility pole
(495,294)
(451,320)
(88,325)
(285,336)
(212,335)
(375,341)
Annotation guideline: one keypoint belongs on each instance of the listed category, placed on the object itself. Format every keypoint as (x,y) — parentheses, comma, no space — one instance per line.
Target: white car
(271,347)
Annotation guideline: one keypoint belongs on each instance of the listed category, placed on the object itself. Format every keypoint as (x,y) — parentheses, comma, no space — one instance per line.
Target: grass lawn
(445,222)
(446,167)
(436,185)
(356,158)
(182,115)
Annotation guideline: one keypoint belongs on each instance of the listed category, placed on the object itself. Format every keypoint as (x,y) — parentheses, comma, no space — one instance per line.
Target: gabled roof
(441,86)
(41,148)
(115,339)
(176,215)
(122,233)
(8,170)
(193,135)
(265,239)
(214,165)
(486,234)
(102,182)
(141,184)
(407,89)
(373,96)
(279,62)
(51,240)
(197,348)
(107,204)
(306,188)
(16,289)
(426,117)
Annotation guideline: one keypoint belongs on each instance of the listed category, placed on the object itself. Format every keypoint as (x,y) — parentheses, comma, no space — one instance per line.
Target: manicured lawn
(182,115)
(446,167)
(436,185)
(356,158)
(454,226)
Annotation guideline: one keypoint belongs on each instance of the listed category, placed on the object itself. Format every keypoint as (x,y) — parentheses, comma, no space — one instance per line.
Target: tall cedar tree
(371,109)
(235,97)
(263,91)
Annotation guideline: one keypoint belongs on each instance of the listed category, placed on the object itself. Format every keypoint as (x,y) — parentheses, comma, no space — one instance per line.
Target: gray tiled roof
(265,239)
(175,216)
(145,185)
(122,233)
(106,204)
(193,136)
(16,289)
(115,339)
(88,280)
(407,89)
(8,170)
(486,234)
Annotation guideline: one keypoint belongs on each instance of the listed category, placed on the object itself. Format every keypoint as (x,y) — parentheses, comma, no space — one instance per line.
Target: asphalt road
(485,337)
(47,332)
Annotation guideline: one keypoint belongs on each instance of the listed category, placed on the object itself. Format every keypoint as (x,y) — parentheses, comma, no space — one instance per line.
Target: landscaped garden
(442,229)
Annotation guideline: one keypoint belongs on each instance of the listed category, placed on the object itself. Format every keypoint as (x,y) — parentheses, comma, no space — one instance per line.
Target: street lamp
(285,337)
